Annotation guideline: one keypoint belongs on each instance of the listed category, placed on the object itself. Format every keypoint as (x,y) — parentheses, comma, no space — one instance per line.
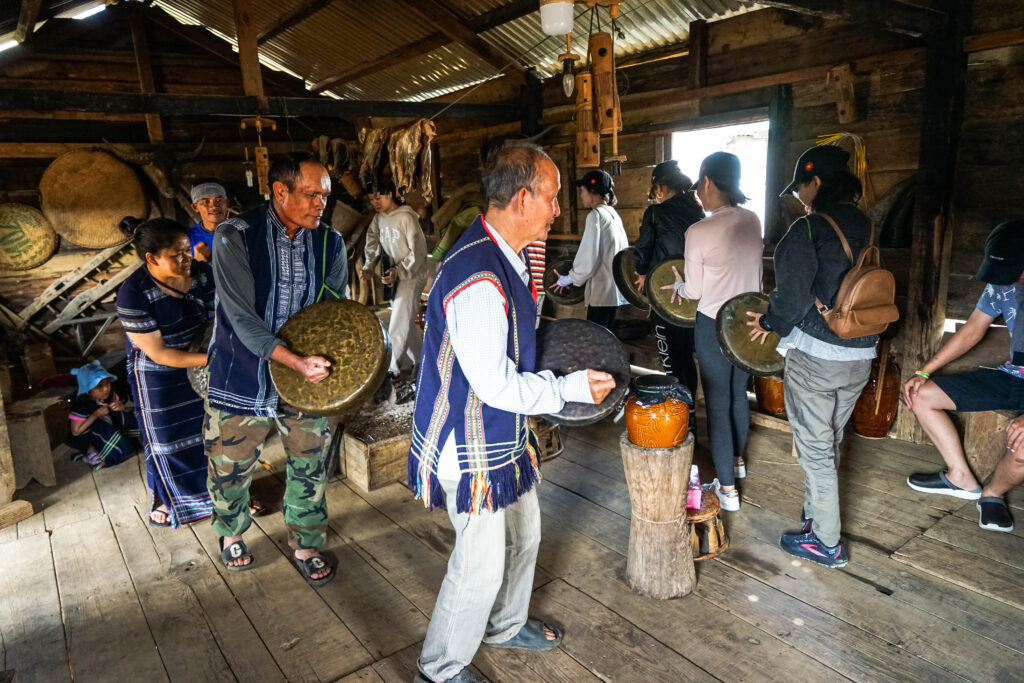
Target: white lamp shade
(556,17)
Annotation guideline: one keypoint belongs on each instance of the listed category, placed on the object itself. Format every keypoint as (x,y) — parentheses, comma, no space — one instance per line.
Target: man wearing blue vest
(268,264)
(472,451)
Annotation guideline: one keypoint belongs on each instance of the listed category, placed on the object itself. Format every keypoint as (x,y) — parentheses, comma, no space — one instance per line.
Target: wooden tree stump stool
(660,561)
(704,529)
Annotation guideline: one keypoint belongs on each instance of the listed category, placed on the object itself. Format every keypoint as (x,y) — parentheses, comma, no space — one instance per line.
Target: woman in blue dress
(162,307)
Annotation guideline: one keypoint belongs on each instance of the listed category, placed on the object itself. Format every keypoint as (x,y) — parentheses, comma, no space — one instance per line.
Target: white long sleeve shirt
(603,237)
(399,234)
(478,326)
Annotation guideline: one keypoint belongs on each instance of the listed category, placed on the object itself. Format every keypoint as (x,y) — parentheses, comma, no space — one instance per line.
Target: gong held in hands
(351,338)
(747,351)
(661,293)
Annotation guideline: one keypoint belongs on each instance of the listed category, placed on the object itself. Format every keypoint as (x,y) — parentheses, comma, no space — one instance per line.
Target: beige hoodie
(399,234)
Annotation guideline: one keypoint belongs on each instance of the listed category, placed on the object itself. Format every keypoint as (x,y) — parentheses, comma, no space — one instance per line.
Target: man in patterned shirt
(985,389)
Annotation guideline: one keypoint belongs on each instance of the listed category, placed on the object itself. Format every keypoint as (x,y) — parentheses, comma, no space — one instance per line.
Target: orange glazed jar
(657,412)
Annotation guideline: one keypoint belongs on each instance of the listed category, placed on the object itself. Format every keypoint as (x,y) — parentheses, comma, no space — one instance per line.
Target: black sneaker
(809,547)
(936,482)
(994,515)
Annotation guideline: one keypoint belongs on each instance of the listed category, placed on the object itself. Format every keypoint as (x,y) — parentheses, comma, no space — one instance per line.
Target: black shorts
(981,390)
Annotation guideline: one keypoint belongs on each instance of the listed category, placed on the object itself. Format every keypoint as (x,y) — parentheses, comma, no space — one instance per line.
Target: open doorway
(748,141)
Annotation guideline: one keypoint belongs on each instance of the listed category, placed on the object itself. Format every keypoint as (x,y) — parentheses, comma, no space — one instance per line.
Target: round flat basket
(85,194)
(681,313)
(761,360)
(565,346)
(568,296)
(624,272)
(199,377)
(27,239)
(352,338)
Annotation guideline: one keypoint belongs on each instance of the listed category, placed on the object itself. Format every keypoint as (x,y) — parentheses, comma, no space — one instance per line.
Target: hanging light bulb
(556,16)
(568,77)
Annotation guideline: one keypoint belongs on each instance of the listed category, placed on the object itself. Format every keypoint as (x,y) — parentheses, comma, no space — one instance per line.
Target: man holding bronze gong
(472,451)
(269,263)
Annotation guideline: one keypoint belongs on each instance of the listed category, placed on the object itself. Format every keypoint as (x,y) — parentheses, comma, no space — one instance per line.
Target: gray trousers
(820,396)
(485,594)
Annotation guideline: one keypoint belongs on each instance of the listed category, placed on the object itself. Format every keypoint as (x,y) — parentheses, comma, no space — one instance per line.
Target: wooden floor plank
(175,616)
(102,616)
(72,500)
(381,618)
(31,632)
(605,643)
(968,536)
(845,595)
(306,639)
(365,675)
(974,572)
(9,533)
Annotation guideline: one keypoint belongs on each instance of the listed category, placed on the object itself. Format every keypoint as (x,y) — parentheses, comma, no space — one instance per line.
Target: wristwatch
(764,324)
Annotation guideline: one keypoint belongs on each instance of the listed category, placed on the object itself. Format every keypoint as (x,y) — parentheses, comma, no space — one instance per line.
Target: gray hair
(509,169)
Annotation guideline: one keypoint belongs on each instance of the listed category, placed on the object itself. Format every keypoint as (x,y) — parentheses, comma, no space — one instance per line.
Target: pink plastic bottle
(693,490)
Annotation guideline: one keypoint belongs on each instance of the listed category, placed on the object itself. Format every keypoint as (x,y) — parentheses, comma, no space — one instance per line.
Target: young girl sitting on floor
(103,427)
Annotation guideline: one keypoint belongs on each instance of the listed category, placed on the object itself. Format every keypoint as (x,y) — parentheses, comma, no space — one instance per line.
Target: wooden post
(697,62)
(247,35)
(147,84)
(6,458)
(780,172)
(660,561)
(931,240)
(841,79)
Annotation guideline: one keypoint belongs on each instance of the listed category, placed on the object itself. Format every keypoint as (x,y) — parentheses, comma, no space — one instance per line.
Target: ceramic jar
(657,411)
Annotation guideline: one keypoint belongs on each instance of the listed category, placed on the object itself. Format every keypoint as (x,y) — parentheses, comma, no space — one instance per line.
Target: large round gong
(85,194)
(762,360)
(681,313)
(624,272)
(27,239)
(565,346)
(567,296)
(199,377)
(348,335)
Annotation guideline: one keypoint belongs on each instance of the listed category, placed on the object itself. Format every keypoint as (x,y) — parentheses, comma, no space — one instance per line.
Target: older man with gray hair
(472,450)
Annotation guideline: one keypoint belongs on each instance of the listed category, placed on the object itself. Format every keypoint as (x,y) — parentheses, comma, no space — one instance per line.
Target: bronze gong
(761,360)
(565,346)
(348,335)
(624,272)
(199,377)
(681,313)
(568,296)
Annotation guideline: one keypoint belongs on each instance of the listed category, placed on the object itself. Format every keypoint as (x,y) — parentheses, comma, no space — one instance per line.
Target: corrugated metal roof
(346,33)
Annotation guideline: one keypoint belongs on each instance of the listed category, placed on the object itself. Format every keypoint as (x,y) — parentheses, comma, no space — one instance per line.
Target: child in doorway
(103,427)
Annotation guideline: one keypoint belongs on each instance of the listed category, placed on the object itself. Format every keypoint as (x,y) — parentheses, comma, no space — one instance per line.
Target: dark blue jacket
(810,262)
(663,231)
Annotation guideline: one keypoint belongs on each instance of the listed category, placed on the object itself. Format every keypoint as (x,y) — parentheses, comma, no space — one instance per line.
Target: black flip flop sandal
(311,565)
(236,551)
(154,523)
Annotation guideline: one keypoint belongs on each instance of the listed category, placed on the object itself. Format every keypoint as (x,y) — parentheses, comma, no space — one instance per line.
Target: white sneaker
(730,502)
(739,468)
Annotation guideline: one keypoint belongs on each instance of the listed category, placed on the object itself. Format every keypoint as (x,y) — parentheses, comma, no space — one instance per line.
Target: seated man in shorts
(983,389)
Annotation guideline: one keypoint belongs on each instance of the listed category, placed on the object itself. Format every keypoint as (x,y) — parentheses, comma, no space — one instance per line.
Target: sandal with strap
(165,513)
(256,507)
(236,551)
(312,565)
(532,637)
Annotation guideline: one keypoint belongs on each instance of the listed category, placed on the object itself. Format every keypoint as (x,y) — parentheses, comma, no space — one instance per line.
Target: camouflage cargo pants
(233,446)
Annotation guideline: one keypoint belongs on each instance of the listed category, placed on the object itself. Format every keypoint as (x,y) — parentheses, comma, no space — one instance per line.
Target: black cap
(820,161)
(665,169)
(597,181)
(1004,254)
(721,167)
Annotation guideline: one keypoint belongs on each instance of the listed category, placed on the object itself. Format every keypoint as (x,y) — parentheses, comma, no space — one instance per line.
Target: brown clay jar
(770,395)
(655,417)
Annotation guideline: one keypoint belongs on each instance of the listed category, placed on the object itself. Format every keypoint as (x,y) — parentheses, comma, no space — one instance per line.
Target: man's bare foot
(549,633)
(238,561)
(305,554)
(160,515)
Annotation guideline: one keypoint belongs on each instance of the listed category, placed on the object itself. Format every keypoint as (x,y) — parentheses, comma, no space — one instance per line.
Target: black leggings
(675,347)
(725,397)
(602,315)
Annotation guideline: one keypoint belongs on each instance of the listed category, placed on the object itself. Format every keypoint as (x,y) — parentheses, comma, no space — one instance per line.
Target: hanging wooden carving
(588,140)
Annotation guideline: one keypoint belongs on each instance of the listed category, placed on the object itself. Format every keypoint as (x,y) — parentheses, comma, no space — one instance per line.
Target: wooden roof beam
(480,23)
(453,26)
(167,104)
(291,18)
(888,15)
(27,17)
